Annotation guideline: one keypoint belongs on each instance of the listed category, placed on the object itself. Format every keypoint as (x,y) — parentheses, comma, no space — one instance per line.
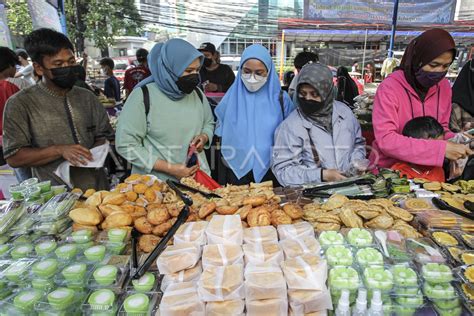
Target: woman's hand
(181,171)
(330,175)
(457,151)
(200,141)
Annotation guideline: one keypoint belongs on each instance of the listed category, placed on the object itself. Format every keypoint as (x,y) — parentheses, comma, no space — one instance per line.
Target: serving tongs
(445,206)
(138,272)
(194,190)
(339,184)
(325,195)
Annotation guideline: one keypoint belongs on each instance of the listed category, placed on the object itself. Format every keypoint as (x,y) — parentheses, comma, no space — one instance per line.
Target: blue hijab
(167,62)
(247,121)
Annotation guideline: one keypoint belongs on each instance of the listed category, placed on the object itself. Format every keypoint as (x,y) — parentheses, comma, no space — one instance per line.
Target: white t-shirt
(27,73)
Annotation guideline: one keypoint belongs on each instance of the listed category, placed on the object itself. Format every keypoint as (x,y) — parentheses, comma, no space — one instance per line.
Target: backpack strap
(282,104)
(199,93)
(146,99)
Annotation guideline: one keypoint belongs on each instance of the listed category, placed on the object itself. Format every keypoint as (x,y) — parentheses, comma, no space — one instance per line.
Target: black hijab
(346,87)
(463,88)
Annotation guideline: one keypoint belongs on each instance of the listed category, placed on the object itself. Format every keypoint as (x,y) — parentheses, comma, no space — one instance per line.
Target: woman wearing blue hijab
(248,115)
(157,142)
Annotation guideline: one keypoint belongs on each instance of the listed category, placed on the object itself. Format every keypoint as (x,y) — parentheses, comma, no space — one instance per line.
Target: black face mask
(65,77)
(207,62)
(188,83)
(309,107)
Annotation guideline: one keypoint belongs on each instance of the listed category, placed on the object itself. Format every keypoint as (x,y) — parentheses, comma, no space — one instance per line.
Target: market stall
(384,243)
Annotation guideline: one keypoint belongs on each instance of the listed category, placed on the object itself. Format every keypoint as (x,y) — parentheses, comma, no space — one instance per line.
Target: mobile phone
(192,158)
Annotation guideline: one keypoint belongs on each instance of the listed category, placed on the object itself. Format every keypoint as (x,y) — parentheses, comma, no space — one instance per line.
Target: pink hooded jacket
(396,102)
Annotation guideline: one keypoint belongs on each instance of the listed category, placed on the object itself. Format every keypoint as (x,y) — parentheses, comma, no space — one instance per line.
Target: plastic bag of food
(297,230)
(307,272)
(320,313)
(260,234)
(303,302)
(278,306)
(222,255)
(192,232)
(228,308)
(189,275)
(225,229)
(297,247)
(222,283)
(182,299)
(178,257)
(264,281)
(258,253)
(10,214)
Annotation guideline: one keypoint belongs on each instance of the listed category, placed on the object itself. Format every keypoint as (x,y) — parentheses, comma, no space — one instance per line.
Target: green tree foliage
(18,17)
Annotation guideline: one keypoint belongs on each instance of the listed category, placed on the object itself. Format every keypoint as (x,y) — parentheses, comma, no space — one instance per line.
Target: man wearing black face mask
(54,120)
(216,77)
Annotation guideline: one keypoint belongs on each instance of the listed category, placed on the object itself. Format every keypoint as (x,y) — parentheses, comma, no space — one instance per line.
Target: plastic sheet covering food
(222,284)
(308,272)
(278,306)
(299,246)
(178,257)
(258,253)
(189,275)
(264,281)
(297,230)
(222,255)
(260,234)
(227,308)
(303,301)
(181,299)
(225,229)
(192,232)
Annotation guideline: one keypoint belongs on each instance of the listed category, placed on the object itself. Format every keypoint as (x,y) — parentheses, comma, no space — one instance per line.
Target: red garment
(7,89)
(134,75)
(413,171)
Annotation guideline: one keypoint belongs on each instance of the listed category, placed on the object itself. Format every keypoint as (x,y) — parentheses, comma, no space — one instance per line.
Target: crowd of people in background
(301,130)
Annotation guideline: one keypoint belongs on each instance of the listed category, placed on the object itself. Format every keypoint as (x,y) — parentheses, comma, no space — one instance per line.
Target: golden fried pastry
(468,239)
(294,211)
(369,214)
(114,199)
(457,203)
(77,191)
(147,243)
(106,210)
(245,225)
(141,201)
(89,193)
(227,210)
(138,212)
(350,219)
(280,217)
(417,204)
(380,222)
(140,188)
(222,202)
(420,180)
(244,211)
(468,291)
(326,226)
(444,194)
(312,206)
(335,212)
(406,231)
(162,229)
(444,239)
(381,202)
(170,197)
(432,186)
(255,200)
(151,196)
(174,210)
(143,226)
(450,187)
(158,216)
(76,227)
(335,201)
(467,258)
(128,208)
(455,252)
(158,186)
(329,218)
(258,217)
(357,205)
(131,196)
(133,178)
(94,200)
(86,216)
(399,213)
(311,215)
(207,209)
(469,274)
(146,179)
(192,217)
(123,187)
(117,219)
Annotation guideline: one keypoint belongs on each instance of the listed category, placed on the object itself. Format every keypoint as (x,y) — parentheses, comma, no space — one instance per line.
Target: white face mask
(253,83)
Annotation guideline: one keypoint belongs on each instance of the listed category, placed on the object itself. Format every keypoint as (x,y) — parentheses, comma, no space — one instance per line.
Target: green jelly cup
(45,248)
(74,272)
(58,189)
(17,192)
(62,298)
(47,196)
(82,236)
(117,235)
(145,283)
(42,284)
(136,303)
(46,268)
(30,182)
(66,252)
(25,300)
(44,186)
(95,253)
(106,275)
(33,192)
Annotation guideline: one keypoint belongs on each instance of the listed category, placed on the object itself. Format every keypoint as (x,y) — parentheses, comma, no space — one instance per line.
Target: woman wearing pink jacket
(418,89)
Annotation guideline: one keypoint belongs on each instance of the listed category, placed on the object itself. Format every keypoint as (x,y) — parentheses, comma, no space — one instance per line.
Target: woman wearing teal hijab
(157,143)
(248,115)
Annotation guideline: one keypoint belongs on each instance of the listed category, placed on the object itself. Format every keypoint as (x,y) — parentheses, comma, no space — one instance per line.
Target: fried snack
(245,225)
(255,201)
(123,187)
(357,205)
(294,211)
(326,226)
(143,225)
(399,213)
(417,204)
(89,193)
(469,274)
(86,216)
(432,186)
(227,210)
(117,219)
(450,187)
(147,243)
(94,200)
(444,194)
(133,178)
(406,230)
(329,218)
(138,212)
(380,222)
(128,208)
(335,201)
(312,214)
(312,206)
(207,209)
(162,229)
(420,180)
(114,199)
(106,210)
(381,202)
(457,203)
(350,218)
(368,214)
(174,210)
(279,217)
(258,217)
(244,211)
(444,239)
(77,191)
(467,258)
(468,291)
(131,196)
(140,188)
(76,227)
(158,216)
(222,202)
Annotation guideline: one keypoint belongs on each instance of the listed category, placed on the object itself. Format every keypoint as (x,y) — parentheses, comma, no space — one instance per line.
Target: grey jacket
(294,162)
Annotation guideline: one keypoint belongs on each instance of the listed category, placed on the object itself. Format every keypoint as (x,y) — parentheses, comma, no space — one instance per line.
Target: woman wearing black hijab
(462,114)
(346,87)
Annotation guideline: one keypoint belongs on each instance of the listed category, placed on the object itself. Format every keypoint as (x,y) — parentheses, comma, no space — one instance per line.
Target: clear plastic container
(330,238)
(421,254)
(369,256)
(439,292)
(344,278)
(17,192)
(465,274)
(57,303)
(466,238)
(444,238)
(21,303)
(436,273)
(359,237)
(396,247)
(101,302)
(405,277)
(17,271)
(110,277)
(378,278)
(53,227)
(339,256)
(140,286)
(57,207)
(129,298)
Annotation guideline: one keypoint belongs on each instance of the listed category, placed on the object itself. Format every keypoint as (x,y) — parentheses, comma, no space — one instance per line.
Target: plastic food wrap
(222,255)
(182,299)
(307,272)
(225,229)
(260,234)
(297,230)
(303,302)
(10,214)
(263,282)
(177,258)
(192,232)
(277,306)
(221,284)
(258,253)
(189,275)
(228,308)
(297,247)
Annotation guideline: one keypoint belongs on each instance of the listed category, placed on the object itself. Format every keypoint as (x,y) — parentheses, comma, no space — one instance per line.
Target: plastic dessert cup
(82,236)
(117,235)
(66,252)
(106,275)
(45,248)
(46,268)
(136,303)
(61,299)
(95,253)
(339,256)
(331,238)
(145,283)
(74,272)
(21,251)
(25,300)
